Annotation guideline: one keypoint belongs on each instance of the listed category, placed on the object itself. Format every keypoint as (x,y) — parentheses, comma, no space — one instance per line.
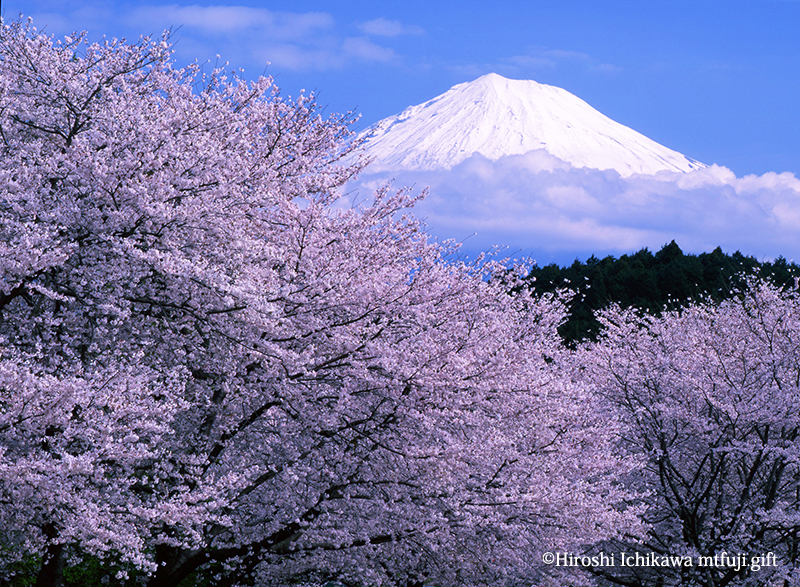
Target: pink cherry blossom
(212,364)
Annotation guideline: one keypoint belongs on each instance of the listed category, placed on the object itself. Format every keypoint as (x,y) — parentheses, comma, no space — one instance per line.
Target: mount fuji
(536,171)
(497,117)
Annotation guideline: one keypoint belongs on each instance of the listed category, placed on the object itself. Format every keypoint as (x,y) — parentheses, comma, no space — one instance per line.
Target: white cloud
(285,40)
(366,50)
(529,64)
(293,57)
(231,19)
(608,68)
(242,35)
(531,61)
(382,27)
(535,202)
(565,55)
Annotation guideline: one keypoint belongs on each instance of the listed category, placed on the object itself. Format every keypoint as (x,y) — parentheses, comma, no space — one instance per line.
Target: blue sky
(716,80)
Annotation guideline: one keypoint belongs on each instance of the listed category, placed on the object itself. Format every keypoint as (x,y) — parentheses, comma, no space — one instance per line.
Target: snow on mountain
(494,117)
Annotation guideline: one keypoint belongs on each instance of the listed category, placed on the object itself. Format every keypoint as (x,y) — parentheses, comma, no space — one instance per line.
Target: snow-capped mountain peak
(494,116)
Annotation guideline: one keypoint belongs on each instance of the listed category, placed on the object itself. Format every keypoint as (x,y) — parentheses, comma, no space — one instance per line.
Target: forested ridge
(666,280)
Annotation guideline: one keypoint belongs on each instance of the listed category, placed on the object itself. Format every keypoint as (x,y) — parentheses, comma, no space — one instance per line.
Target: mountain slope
(494,117)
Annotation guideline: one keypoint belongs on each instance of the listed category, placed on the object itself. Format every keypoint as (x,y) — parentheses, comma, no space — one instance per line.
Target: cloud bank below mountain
(536,204)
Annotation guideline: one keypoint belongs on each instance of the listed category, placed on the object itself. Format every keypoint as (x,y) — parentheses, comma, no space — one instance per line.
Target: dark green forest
(653,282)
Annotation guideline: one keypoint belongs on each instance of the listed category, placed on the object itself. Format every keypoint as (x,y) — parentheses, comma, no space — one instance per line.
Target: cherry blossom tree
(211,367)
(711,395)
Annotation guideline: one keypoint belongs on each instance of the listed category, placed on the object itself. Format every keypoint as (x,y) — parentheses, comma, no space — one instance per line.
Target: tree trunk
(175,565)
(52,572)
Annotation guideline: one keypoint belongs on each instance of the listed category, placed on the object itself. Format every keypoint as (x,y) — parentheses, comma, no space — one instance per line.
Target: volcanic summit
(494,116)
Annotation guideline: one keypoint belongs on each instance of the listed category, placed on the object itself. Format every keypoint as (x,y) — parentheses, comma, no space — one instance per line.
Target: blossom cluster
(211,367)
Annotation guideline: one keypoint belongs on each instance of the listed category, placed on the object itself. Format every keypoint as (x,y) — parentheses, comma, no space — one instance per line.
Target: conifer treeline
(652,282)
